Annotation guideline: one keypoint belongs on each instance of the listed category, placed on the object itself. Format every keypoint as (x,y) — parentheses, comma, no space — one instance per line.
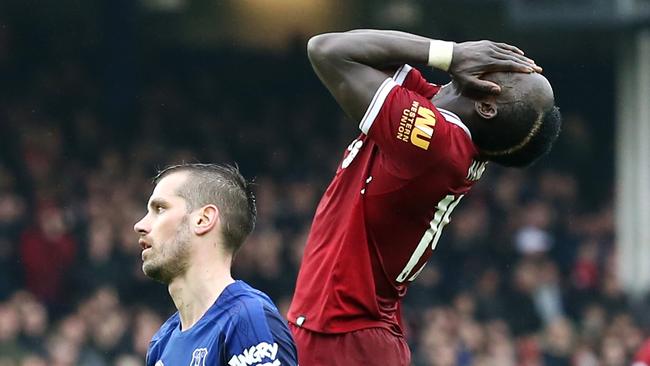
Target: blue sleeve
(258,336)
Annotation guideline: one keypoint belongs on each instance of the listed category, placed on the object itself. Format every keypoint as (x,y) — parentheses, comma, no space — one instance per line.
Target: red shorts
(372,346)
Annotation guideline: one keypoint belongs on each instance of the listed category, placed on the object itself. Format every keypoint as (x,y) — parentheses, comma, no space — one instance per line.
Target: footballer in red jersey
(421,149)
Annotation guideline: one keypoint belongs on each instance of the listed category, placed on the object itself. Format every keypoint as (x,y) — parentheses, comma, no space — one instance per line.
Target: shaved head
(521,123)
(533,89)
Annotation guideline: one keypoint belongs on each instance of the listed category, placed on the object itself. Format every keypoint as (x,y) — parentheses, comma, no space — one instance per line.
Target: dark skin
(352,66)
(477,112)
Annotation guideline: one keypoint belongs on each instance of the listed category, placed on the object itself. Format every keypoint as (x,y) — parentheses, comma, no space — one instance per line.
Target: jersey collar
(453,118)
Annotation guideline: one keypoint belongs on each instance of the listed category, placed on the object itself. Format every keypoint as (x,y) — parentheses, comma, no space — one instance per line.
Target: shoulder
(256,329)
(162,336)
(167,328)
(246,304)
(252,314)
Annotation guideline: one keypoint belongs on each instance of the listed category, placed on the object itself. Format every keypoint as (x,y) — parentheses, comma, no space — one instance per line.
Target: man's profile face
(164,231)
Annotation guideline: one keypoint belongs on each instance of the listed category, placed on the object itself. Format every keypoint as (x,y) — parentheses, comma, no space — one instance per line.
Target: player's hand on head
(471,60)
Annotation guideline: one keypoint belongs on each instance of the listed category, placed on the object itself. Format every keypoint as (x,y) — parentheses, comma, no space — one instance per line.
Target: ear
(205,219)
(487,110)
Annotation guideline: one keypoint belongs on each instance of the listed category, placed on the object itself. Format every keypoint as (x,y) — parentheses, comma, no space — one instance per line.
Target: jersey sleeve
(410,131)
(160,339)
(412,79)
(259,337)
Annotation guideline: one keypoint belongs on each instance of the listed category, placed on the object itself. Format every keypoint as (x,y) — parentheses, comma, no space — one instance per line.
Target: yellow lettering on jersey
(406,122)
(423,128)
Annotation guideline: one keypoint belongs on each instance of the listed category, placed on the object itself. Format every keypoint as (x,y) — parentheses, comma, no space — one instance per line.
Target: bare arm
(391,33)
(349,63)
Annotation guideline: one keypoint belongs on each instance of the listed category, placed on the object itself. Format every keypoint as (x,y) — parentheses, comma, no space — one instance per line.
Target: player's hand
(471,60)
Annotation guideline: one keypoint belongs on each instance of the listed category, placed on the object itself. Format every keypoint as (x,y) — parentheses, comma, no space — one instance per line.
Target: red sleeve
(412,79)
(412,134)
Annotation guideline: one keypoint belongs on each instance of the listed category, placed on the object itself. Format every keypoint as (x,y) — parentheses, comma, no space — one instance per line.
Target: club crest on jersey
(198,357)
(416,125)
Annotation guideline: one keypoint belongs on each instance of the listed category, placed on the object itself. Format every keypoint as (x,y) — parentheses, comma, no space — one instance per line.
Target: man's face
(164,231)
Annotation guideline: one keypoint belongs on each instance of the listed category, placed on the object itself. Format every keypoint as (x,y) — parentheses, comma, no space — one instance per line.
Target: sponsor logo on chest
(416,125)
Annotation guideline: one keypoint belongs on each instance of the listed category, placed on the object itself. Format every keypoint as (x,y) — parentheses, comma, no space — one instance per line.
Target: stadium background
(96,96)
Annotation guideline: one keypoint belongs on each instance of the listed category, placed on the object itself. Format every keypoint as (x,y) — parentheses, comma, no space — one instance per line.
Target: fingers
(515,57)
(517,62)
(508,47)
(505,51)
(480,86)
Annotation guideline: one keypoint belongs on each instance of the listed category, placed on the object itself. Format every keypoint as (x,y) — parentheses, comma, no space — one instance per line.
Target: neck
(450,98)
(196,291)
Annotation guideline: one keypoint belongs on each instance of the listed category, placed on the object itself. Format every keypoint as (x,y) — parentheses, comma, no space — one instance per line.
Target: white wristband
(440,54)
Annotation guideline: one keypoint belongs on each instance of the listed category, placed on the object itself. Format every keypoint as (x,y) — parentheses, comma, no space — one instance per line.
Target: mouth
(143,244)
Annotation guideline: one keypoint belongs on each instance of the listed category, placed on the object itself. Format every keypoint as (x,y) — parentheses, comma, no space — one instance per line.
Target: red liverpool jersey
(382,216)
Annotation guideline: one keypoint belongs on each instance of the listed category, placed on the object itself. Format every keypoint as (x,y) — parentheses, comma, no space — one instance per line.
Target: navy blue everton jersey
(241,328)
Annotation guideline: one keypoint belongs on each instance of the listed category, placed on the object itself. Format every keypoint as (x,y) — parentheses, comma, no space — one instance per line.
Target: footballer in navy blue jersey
(198,216)
(242,328)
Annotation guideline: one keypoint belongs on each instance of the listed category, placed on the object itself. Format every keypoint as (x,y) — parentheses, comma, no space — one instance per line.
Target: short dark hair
(223,186)
(524,134)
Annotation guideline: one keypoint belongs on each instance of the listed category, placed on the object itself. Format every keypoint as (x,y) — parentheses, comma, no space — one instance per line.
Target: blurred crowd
(524,275)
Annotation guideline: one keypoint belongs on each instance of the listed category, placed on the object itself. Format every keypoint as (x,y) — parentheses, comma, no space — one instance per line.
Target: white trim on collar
(453,118)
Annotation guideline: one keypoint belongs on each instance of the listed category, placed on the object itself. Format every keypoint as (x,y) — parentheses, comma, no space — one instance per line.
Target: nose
(140,227)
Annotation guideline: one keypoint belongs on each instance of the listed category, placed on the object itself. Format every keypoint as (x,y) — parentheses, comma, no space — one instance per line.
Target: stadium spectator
(49,237)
